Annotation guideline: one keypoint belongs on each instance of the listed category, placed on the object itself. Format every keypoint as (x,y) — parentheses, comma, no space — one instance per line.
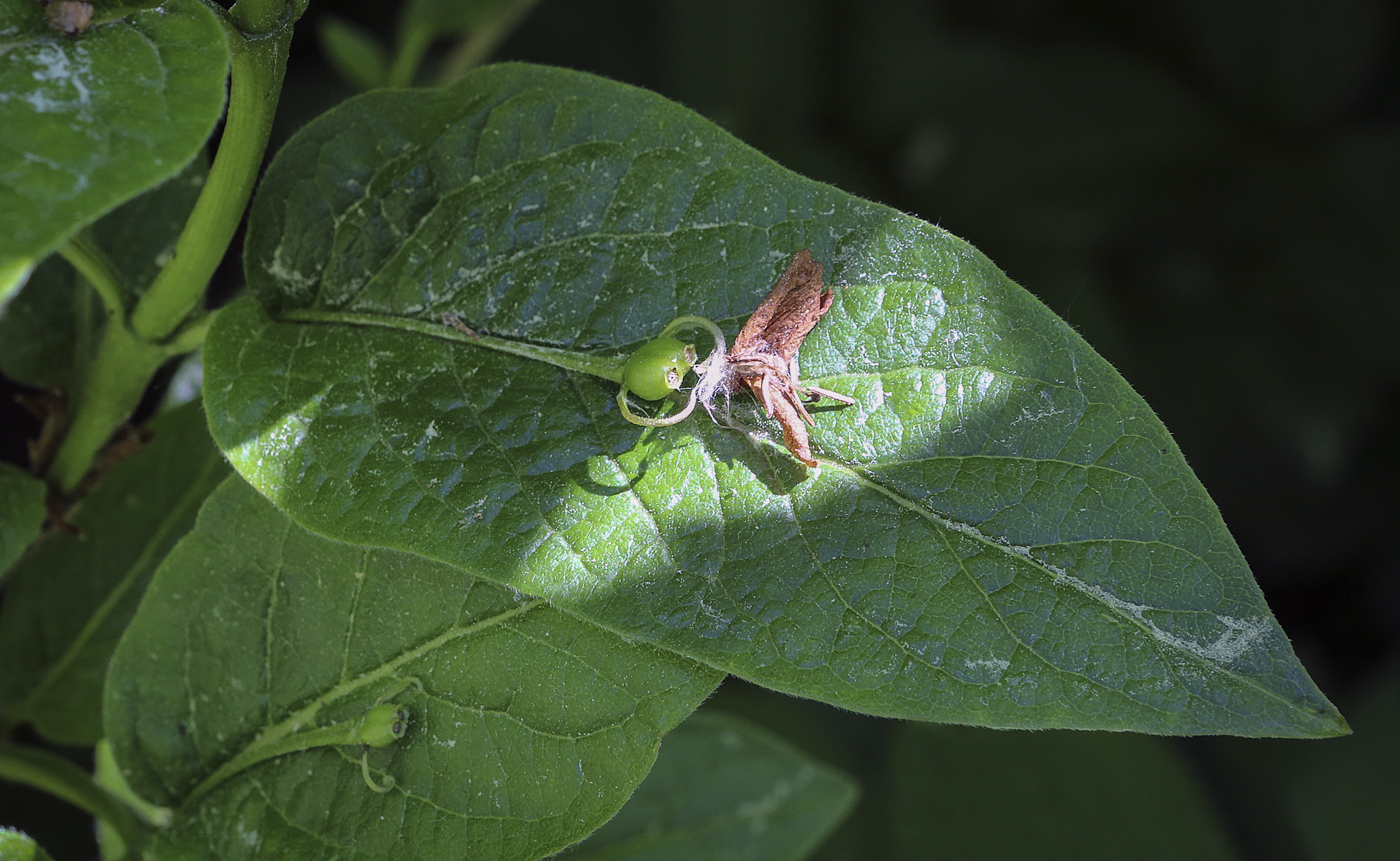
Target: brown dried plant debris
(764,355)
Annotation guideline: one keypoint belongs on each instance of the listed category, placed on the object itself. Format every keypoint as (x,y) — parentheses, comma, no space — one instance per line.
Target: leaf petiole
(93,264)
(381,725)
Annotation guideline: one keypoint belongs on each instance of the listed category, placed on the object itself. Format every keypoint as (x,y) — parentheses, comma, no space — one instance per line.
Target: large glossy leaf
(527,728)
(724,788)
(21,512)
(970,794)
(69,600)
(1002,532)
(93,118)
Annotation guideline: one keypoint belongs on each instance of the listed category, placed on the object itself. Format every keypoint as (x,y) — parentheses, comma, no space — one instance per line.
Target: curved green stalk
(159,326)
(325,736)
(371,730)
(256,80)
(43,769)
(116,380)
(604,367)
(93,264)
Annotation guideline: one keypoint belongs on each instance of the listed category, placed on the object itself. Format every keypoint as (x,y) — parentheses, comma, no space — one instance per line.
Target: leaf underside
(724,788)
(1001,532)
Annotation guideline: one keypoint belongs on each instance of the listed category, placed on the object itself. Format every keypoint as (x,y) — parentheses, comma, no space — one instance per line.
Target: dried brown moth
(764,355)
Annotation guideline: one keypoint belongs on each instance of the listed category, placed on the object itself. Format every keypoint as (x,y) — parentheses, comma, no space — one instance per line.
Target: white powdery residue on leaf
(1237,639)
(281,272)
(273,449)
(1048,411)
(467,276)
(249,837)
(1000,665)
(38,159)
(58,72)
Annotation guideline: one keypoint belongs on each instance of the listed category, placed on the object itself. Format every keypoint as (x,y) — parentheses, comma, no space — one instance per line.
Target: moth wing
(789,311)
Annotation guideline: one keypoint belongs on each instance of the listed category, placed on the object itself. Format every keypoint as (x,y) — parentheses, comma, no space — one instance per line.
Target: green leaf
(353,51)
(21,512)
(69,600)
(528,729)
(18,846)
(976,794)
(724,788)
(1002,532)
(95,118)
(49,330)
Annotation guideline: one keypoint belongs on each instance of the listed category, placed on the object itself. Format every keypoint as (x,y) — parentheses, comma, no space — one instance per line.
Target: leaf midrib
(1055,577)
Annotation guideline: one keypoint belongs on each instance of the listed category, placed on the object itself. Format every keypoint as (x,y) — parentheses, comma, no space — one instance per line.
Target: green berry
(657,368)
(383,725)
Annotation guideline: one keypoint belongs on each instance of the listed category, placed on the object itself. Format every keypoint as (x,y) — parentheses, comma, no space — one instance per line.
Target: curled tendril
(381,726)
(713,373)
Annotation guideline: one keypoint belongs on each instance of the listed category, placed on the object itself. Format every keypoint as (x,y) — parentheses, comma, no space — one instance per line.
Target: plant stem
(336,734)
(473,50)
(115,383)
(57,776)
(256,80)
(131,350)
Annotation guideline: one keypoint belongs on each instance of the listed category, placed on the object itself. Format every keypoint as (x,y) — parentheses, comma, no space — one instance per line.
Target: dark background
(1208,191)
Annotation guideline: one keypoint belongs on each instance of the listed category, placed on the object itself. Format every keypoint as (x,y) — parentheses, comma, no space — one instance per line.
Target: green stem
(473,50)
(93,264)
(335,734)
(277,742)
(118,377)
(131,350)
(256,80)
(606,367)
(43,769)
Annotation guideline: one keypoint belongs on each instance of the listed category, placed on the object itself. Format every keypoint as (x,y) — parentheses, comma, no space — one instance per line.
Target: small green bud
(657,368)
(383,725)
